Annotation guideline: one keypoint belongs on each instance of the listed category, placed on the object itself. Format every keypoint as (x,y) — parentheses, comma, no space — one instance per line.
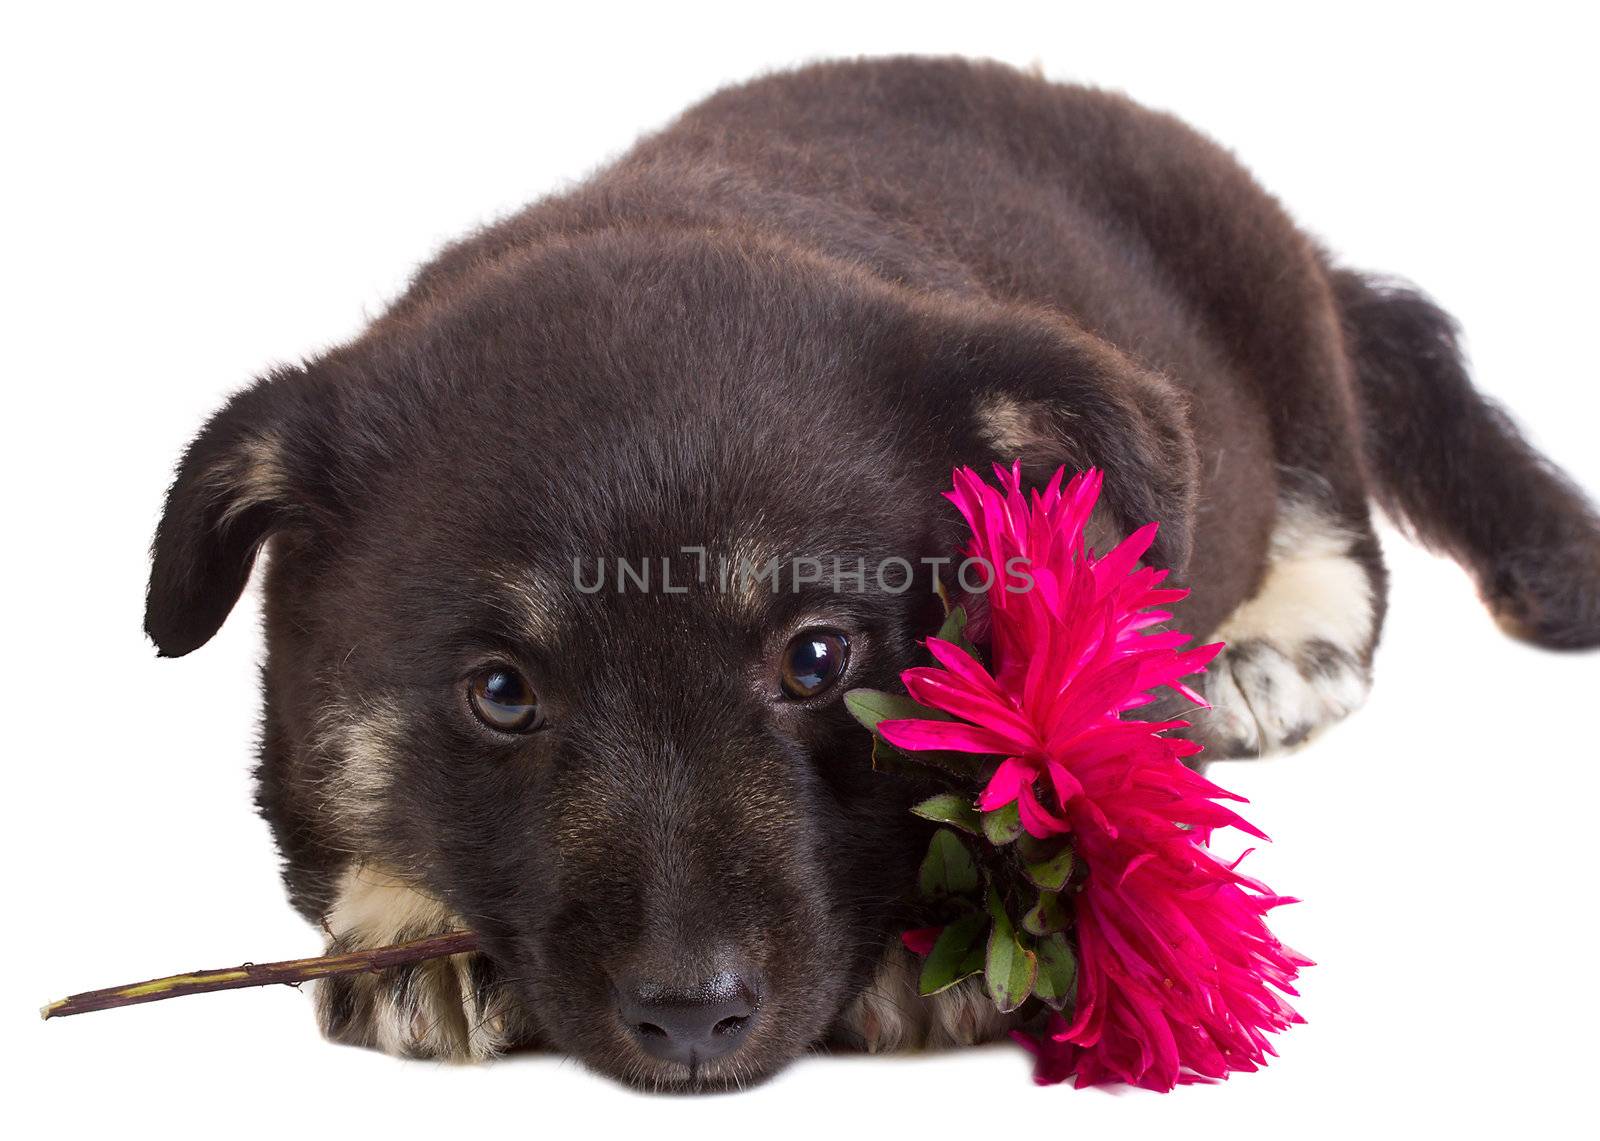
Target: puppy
(512,683)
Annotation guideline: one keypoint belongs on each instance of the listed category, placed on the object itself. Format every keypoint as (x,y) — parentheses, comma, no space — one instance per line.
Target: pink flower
(1179,978)
(921,940)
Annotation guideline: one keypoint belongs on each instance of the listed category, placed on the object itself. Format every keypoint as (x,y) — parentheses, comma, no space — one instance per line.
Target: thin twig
(291,972)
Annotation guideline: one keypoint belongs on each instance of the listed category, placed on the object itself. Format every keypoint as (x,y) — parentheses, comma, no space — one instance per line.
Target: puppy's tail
(1452,466)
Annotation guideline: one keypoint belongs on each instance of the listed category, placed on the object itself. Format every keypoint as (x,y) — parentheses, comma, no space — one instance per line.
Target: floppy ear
(1044,392)
(245,476)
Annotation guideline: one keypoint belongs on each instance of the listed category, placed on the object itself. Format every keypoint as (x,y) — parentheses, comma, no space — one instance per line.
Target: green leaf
(1009,967)
(888,759)
(1003,825)
(957,954)
(1046,863)
(870,706)
(955,630)
(1048,916)
(967,766)
(1057,981)
(935,763)
(948,868)
(952,809)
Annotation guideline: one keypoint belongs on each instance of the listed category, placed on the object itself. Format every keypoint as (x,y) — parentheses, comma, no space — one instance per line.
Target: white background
(193,194)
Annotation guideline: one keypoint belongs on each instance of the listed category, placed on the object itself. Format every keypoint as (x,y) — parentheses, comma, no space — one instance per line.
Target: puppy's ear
(249,473)
(1044,392)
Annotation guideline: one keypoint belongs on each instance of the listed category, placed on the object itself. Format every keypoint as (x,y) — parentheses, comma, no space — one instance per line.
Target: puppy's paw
(1298,652)
(1266,697)
(454,1008)
(891,1016)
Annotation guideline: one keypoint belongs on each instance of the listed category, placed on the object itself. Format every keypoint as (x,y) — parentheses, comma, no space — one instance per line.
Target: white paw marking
(1296,650)
(444,1008)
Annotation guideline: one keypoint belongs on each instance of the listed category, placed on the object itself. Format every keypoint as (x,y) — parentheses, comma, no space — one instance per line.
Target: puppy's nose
(690,1026)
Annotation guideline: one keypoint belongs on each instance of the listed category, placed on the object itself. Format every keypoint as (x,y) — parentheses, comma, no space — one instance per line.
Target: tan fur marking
(537,600)
(375,908)
(1011,427)
(361,744)
(252,475)
(1005,424)
(748,585)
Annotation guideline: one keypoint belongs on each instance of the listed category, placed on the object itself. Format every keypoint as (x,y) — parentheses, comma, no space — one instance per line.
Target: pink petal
(956,736)
(920,940)
(1038,820)
(960,663)
(1005,785)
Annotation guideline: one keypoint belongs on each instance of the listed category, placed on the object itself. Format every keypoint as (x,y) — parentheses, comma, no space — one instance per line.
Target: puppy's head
(570,572)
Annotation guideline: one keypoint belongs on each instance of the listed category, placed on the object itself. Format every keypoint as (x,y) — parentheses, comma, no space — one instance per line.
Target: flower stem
(291,972)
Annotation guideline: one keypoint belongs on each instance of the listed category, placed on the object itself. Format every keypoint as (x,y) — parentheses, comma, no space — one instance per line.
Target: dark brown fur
(780,322)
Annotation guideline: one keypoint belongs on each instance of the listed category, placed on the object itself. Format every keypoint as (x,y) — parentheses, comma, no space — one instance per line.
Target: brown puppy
(510,681)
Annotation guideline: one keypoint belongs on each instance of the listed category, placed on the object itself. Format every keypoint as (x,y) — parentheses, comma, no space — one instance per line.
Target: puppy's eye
(503,700)
(812,661)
